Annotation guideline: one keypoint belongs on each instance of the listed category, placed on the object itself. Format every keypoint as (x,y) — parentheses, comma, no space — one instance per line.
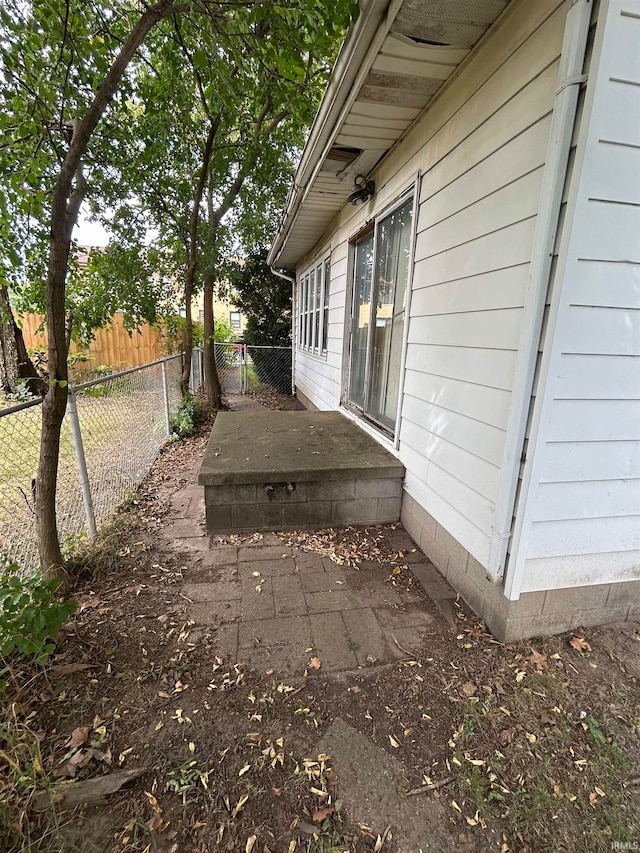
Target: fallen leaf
(579,644)
(78,737)
(322,814)
(394,743)
(241,802)
(540,660)
(155,822)
(315,663)
(469,689)
(250,843)
(548,719)
(506,736)
(68,668)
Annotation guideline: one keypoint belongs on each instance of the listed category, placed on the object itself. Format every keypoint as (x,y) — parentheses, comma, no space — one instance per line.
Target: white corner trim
(557,159)
(541,416)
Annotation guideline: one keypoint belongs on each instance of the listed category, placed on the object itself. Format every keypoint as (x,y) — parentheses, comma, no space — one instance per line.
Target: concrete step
(267,470)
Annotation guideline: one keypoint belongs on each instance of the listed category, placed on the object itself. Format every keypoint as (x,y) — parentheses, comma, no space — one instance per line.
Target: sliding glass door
(381,275)
(360,319)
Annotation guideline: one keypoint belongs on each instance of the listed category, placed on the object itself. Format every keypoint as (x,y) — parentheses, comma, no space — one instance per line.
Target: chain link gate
(248,369)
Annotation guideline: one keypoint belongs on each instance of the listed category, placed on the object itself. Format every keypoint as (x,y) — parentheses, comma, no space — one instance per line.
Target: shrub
(183,423)
(30,616)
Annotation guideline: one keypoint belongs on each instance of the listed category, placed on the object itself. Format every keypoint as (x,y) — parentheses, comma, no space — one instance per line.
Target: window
(313,308)
(234,319)
(380,278)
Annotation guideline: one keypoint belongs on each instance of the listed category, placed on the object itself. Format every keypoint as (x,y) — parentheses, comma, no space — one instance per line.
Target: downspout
(293,325)
(562,125)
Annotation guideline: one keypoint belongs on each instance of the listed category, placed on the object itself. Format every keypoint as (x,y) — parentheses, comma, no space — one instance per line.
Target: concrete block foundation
(288,470)
(534,614)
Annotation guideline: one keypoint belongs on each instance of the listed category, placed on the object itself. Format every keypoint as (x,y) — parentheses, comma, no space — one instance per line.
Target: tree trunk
(64,213)
(187,339)
(211,378)
(15,364)
(8,348)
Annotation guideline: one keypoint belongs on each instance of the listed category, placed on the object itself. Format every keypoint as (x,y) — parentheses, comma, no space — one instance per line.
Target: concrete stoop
(266,470)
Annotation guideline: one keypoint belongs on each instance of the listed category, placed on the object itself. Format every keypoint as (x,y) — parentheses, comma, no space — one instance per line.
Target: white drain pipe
(562,124)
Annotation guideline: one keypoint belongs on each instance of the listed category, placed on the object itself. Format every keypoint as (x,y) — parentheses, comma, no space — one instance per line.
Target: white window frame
(313,291)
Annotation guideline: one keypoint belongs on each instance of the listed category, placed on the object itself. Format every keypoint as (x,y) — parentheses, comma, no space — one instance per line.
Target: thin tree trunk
(192,254)
(211,378)
(187,337)
(64,213)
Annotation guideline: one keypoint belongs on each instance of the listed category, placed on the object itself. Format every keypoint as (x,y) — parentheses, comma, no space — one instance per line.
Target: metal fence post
(244,371)
(165,397)
(82,463)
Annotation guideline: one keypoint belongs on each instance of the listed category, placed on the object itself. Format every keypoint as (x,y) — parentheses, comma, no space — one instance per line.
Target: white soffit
(424,45)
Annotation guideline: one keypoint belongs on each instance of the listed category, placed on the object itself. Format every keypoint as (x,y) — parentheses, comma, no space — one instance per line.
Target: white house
(478,312)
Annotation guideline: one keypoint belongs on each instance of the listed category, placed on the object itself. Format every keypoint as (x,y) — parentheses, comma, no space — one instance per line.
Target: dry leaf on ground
(579,644)
(79,736)
(322,814)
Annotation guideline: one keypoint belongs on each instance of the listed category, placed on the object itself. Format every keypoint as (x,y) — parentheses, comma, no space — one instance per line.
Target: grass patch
(526,758)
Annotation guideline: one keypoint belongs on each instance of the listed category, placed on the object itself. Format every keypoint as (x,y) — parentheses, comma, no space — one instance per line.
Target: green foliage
(183,423)
(264,298)
(30,616)
(22,394)
(174,326)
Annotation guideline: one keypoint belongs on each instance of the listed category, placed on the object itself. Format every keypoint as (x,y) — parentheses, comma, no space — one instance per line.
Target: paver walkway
(275,607)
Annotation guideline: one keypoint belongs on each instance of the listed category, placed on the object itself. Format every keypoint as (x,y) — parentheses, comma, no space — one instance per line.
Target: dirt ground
(463,744)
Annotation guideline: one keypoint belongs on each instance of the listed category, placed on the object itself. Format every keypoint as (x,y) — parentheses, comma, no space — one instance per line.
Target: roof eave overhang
(396,57)
(350,59)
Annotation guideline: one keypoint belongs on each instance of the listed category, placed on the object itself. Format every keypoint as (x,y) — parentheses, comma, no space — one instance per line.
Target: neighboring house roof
(395,58)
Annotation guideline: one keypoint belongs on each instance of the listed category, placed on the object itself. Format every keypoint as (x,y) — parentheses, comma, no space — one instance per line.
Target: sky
(89,233)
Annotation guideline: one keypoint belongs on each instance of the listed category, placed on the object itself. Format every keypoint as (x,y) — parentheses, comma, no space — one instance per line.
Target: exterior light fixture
(362,190)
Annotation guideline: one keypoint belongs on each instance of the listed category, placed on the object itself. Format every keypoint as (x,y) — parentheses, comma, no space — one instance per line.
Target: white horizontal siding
(468,364)
(585,499)
(622,278)
(487,441)
(480,403)
(481,148)
(600,377)
(578,521)
(579,569)
(588,461)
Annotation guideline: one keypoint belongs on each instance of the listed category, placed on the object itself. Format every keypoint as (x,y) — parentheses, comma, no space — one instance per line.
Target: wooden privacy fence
(111,346)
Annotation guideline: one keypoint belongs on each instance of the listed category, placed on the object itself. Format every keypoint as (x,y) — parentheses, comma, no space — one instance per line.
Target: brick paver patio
(274,606)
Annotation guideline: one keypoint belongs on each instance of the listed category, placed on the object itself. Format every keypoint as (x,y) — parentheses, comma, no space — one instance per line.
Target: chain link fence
(248,369)
(112,432)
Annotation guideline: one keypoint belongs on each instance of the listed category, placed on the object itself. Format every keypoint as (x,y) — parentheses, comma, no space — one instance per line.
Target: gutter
(293,325)
(343,76)
(562,125)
